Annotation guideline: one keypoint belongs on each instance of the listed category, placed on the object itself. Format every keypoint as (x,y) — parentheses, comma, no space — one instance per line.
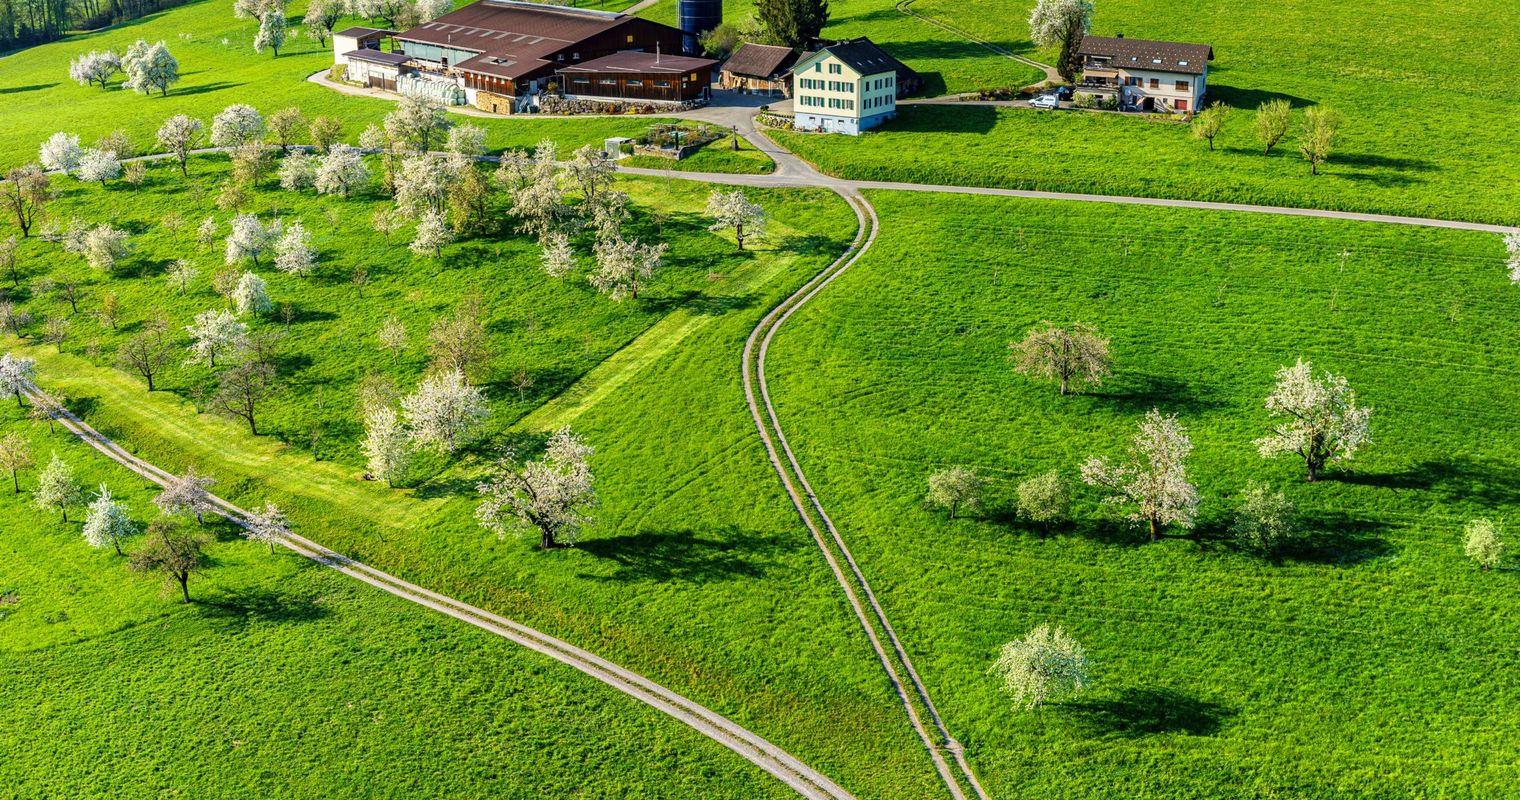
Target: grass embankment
(286,679)
(697,573)
(218,68)
(1428,117)
(1374,662)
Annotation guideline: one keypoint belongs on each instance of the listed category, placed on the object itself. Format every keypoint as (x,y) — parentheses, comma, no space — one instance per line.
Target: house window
(630,41)
(608,81)
(1182,86)
(818,67)
(836,69)
(1155,83)
(662,84)
(635,83)
(582,80)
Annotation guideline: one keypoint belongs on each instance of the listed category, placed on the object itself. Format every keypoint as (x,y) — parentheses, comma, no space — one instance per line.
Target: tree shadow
(805,244)
(1138,393)
(203,88)
(1249,99)
(683,556)
(242,607)
(1459,478)
(1329,538)
(32,88)
(1137,713)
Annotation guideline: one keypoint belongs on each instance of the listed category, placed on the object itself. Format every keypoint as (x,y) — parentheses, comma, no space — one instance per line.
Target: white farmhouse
(847,87)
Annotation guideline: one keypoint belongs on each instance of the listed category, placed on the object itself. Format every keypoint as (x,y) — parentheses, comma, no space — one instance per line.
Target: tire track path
(956,772)
(785,767)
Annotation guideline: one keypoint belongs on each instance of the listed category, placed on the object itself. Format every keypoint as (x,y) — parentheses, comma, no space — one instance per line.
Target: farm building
(499,54)
(760,69)
(849,87)
(1145,75)
(349,40)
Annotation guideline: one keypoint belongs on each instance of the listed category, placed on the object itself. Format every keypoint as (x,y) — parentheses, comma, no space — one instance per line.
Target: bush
(1266,521)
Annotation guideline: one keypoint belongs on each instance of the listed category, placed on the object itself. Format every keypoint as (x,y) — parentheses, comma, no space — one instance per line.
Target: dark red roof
(635,61)
(760,61)
(378,57)
(1148,54)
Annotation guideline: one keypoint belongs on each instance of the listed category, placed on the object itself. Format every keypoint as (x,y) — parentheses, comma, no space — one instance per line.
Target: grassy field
(697,573)
(946,63)
(289,680)
(1427,111)
(218,68)
(1374,662)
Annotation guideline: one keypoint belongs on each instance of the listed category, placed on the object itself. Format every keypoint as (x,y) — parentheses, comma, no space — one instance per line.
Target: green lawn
(1428,111)
(1374,662)
(218,68)
(286,679)
(947,64)
(697,574)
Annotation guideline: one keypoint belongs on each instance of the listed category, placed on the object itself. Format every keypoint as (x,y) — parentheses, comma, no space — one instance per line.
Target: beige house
(848,88)
(1145,75)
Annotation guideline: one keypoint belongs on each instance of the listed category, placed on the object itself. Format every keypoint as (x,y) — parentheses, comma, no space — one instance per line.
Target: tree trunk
(253,427)
(548,542)
(1155,532)
(16,482)
(149,376)
(117,542)
(184,585)
(65,510)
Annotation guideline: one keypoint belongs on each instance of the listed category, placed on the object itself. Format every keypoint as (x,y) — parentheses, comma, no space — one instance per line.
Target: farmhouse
(498,55)
(760,69)
(1145,75)
(847,87)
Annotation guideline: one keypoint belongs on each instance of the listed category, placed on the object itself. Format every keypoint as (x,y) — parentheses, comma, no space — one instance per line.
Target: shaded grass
(286,679)
(1368,663)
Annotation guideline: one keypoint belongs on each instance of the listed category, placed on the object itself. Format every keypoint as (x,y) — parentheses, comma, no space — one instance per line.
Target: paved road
(785,767)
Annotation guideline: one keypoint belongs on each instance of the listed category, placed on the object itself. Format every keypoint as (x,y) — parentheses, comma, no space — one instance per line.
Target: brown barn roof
(512,38)
(760,61)
(378,57)
(635,61)
(1148,54)
(357,32)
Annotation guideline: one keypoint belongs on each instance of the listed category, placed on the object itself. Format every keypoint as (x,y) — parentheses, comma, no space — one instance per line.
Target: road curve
(785,767)
(847,572)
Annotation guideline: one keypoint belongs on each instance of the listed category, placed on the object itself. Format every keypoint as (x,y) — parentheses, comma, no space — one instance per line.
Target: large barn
(498,54)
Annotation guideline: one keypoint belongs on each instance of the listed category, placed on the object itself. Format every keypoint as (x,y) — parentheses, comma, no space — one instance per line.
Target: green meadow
(1372,661)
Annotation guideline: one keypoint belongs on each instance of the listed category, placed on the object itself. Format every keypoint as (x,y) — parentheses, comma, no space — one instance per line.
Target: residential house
(760,69)
(849,87)
(1145,75)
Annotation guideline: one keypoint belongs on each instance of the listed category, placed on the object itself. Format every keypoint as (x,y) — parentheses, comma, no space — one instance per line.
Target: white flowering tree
(60,152)
(58,488)
(418,123)
(1061,23)
(15,456)
(387,446)
(1071,356)
(625,265)
(150,68)
(956,489)
(293,253)
(298,171)
(341,171)
(465,142)
(94,67)
(178,135)
(433,233)
(271,33)
(16,376)
(432,9)
(105,245)
(558,256)
(249,238)
(267,525)
(106,523)
(552,496)
(215,333)
(1316,419)
(98,166)
(732,211)
(237,125)
(1483,541)
(1046,664)
(251,295)
(445,412)
(422,185)
(1152,481)
(321,16)
(189,493)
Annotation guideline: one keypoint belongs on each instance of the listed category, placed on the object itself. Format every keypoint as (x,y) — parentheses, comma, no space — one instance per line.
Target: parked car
(1063,92)
(1045,101)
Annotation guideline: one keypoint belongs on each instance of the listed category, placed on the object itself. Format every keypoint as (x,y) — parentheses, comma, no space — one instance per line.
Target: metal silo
(699,16)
